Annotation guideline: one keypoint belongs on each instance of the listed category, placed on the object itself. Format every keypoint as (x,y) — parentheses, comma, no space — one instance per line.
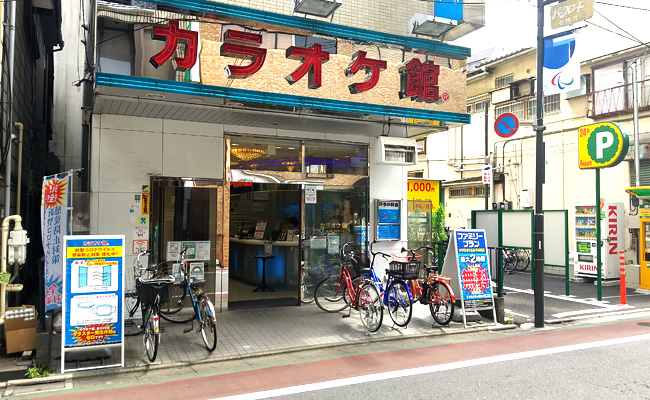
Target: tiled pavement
(275,330)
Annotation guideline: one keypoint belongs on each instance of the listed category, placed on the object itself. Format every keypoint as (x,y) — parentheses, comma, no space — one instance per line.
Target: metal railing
(617,100)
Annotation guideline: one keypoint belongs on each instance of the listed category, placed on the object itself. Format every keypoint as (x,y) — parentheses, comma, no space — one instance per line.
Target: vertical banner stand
(467,260)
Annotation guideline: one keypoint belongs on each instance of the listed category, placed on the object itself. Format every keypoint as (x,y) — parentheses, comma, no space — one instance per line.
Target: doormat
(263,303)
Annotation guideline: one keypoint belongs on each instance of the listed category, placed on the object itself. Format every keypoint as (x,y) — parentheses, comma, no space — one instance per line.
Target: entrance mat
(263,303)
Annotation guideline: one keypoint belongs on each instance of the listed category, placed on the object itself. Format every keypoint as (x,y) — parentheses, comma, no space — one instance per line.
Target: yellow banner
(424,189)
(94,252)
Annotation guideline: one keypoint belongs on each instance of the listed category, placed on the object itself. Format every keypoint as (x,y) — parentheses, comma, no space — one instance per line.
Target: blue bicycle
(397,296)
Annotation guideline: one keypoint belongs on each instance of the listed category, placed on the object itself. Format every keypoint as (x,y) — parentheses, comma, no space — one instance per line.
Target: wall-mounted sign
(388,219)
(419,81)
(601,145)
(486,174)
(424,189)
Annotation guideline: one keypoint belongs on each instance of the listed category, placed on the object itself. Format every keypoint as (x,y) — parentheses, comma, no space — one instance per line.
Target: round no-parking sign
(506,125)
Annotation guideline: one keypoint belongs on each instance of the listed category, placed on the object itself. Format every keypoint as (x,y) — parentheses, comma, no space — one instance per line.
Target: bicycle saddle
(197,283)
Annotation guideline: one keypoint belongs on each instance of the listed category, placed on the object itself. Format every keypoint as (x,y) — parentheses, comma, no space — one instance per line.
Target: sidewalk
(259,332)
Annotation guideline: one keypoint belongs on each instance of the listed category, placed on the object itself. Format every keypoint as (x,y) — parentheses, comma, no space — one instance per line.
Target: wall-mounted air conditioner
(396,151)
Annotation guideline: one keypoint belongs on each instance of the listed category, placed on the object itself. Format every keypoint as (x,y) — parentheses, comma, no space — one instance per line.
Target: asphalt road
(582,300)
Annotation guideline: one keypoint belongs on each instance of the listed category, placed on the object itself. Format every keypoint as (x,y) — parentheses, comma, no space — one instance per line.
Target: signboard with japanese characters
(467,262)
(55,203)
(93,297)
(243,58)
(388,219)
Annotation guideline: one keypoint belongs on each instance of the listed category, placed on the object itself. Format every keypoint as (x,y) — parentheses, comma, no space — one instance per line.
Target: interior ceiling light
(247,153)
(319,8)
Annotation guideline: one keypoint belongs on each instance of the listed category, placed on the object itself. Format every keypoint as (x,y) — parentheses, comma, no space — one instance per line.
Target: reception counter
(282,270)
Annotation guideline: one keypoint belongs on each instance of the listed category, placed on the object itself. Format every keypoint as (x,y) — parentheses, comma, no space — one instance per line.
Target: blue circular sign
(506,125)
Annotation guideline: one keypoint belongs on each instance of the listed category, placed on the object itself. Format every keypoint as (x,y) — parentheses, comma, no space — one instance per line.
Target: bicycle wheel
(329,295)
(131,305)
(441,304)
(509,260)
(150,337)
(399,303)
(370,307)
(209,323)
(307,293)
(523,259)
(178,309)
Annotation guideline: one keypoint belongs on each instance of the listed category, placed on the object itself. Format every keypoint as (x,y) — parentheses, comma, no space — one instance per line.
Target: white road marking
(565,298)
(431,369)
(590,311)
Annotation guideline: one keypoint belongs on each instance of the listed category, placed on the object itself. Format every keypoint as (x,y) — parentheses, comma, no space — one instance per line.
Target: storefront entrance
(271,214)
(264,245)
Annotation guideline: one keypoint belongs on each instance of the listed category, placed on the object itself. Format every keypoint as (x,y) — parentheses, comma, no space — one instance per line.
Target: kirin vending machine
(613,239)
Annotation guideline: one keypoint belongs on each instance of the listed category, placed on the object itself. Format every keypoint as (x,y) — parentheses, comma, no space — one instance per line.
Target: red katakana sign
(173,35)
(243,45)
(311,60)
(370,66)
(419,81)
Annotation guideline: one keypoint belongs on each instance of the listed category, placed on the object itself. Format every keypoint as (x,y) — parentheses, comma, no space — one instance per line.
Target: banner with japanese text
(473,268)
(93,291)
(55,203)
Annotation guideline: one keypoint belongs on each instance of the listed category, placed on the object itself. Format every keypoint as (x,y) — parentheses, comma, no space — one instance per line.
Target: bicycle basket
(329,266)
(147,291)
(404,270)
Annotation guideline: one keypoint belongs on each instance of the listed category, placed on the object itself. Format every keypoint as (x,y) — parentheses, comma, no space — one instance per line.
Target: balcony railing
(617,100)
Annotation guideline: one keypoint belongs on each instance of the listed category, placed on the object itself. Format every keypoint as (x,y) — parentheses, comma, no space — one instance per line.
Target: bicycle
(202,309)
(151,292)
(315,274)
(523,259)
(510,260)
(434,291)
(131,297)
(397,296)
(338,292)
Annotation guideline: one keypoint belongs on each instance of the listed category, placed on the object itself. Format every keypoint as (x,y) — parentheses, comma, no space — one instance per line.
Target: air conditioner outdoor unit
(396,151)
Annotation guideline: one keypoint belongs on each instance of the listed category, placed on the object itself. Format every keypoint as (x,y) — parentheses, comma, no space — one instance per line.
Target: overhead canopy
(642,192)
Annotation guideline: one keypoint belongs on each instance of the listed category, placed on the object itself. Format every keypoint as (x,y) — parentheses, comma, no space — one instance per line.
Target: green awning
(642,192)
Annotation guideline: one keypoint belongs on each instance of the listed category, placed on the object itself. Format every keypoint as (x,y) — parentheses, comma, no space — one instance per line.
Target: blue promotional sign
(474,271)
(506,125)
(93,284)
(388,219)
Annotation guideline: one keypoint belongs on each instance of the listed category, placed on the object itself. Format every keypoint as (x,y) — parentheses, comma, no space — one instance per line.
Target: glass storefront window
(336,158)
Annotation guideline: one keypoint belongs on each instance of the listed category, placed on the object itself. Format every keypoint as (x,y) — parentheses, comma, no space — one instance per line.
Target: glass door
(339,216)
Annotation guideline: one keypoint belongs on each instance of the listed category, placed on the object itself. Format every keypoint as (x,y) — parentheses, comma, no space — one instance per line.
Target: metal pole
(635,96)
(599,242)
(538,251)
(491,185)
(10,108)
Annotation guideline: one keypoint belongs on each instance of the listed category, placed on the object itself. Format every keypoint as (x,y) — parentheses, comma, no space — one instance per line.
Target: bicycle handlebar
(375,253)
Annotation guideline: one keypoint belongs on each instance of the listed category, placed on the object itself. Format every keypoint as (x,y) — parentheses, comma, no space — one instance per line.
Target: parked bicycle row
(159,294)
(341,282)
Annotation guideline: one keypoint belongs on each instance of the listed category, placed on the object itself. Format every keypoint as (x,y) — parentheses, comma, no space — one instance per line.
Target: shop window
(336,158)
(265,154)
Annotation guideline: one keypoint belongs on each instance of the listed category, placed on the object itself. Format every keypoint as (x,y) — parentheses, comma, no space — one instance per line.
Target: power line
(628,33)
(622,6)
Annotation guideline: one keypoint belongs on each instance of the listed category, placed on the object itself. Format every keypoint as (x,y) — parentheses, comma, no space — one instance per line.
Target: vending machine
(613,239)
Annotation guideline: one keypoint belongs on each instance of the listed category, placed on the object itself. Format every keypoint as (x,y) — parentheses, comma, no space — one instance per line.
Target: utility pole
(538,236)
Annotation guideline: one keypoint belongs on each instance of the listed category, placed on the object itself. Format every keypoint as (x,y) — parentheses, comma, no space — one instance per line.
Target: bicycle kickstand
(190,329)
(349,312)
